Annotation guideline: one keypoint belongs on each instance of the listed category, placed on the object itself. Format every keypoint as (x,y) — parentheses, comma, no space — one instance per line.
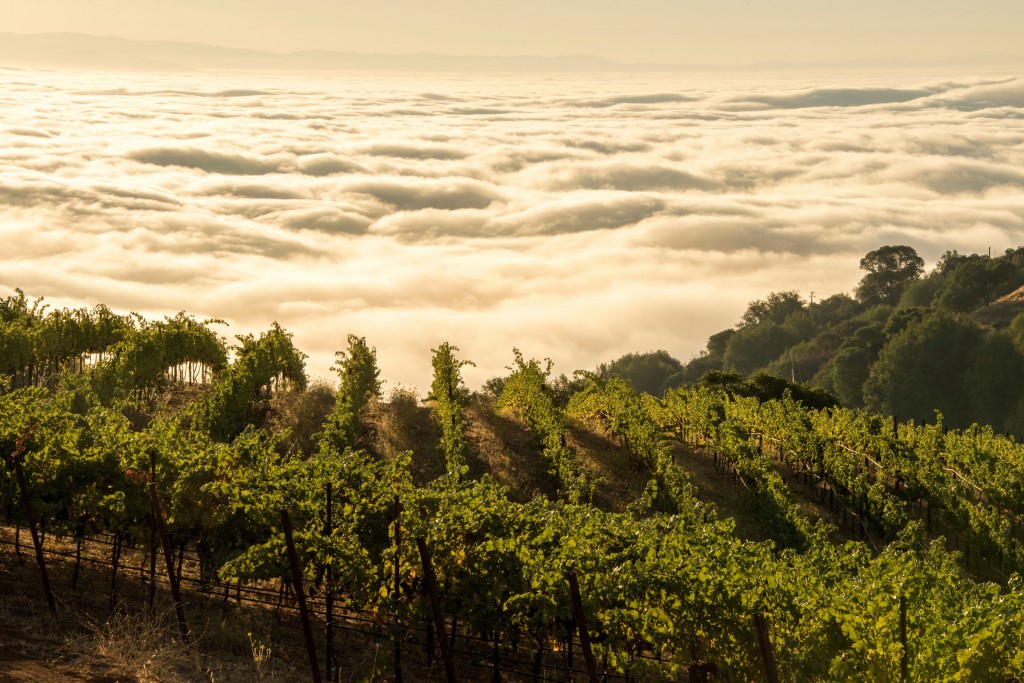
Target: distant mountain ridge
(73,50)
(81,51)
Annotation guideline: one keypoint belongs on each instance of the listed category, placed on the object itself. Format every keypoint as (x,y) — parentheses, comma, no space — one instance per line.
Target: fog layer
(576,219)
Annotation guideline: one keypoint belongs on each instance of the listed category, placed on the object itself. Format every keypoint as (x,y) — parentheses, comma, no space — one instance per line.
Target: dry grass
(724,491)
(497,444)
(403,424)
(503,447)
(300,414)
(618,481)
(133,647)
(734,500)
(89,643)
(230,643)
(176,397)
(1000,313)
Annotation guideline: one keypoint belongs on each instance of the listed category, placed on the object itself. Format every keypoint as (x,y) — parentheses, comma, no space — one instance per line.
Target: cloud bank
(572,219)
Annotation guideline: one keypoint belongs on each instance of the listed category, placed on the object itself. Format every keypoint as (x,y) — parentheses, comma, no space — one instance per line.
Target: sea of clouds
(577,218)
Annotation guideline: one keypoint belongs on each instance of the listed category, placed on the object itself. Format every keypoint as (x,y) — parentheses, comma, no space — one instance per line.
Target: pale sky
(727,32)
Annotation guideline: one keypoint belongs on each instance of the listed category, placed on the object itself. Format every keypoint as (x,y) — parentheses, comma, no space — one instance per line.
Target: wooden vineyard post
(396,587)
(181,559)
(300,596)
(329,593)
(435,607)
(153,539)
(538,659)
(115,560)
(79,534)
(26,507)
(224,600)
(430,642)
(496,657)
(904,655)
(280,600)
(581,624)
(569,664)
(161,528)
(765,645)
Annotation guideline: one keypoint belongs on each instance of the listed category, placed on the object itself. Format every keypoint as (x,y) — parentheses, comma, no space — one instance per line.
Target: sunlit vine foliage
(526,395)
(675,582)
(449,396)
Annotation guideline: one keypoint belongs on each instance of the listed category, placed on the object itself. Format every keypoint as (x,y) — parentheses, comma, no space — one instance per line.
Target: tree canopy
(774,308)
(909,344)
(890,270)
(646,372)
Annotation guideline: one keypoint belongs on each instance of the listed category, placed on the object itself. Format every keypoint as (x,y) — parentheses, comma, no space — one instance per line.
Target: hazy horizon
(727,32)
(86,52)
